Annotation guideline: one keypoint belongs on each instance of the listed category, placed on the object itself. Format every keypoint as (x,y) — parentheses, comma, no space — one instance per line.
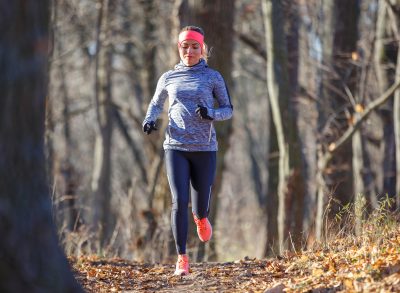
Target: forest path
(117,275)
(367,264)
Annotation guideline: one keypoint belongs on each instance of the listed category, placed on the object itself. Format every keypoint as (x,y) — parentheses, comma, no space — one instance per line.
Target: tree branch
(333,147)
(253,43)
(130,141)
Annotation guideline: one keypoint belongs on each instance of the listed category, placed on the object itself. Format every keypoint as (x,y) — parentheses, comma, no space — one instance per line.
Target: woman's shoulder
(215,74)
(166,74)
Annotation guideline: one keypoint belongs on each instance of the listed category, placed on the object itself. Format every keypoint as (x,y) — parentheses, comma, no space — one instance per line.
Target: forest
(312,150)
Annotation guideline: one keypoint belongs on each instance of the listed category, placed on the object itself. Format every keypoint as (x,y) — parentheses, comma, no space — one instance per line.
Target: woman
(190,144)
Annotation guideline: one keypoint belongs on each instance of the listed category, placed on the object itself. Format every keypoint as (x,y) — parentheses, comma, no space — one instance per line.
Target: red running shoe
(204,228)
(182,265)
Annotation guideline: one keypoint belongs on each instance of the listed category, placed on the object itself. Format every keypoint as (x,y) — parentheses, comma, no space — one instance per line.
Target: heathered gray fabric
(186,87)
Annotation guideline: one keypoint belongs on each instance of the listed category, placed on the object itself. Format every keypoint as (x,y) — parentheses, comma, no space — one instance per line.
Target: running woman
(190,144)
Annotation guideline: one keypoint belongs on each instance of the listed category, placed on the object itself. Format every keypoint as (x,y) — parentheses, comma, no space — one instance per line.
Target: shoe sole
(180,274)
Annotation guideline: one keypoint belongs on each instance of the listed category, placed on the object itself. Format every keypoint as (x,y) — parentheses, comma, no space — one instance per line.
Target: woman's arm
(221,93)
(157,102)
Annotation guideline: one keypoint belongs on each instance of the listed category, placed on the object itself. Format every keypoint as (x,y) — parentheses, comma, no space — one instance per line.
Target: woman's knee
(180,204)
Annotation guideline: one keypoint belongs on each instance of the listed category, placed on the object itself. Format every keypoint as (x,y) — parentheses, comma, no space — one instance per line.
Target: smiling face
(190,52)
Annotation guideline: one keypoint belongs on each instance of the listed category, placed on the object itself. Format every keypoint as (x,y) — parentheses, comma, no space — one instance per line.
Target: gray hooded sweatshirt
(186,87)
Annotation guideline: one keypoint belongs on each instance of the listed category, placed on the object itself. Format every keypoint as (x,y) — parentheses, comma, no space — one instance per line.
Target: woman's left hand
(202,112)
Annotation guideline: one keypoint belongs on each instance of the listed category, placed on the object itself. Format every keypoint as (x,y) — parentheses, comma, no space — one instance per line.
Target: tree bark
(290,179)
(326,35)
(358,180)
(278,100)
(30,257)
(384,76)
(396,119)
(101,180)
(395,23)
(339,41)
(307,111)
(66,195)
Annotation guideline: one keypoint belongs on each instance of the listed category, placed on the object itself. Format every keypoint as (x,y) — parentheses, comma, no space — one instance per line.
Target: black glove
(149,127)
(202,112)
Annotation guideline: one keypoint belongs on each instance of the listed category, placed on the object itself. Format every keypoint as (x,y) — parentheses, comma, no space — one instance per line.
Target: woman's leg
(202,175)
(178,177)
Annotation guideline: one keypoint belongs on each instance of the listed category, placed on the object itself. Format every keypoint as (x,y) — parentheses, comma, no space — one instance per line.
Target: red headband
(191,35)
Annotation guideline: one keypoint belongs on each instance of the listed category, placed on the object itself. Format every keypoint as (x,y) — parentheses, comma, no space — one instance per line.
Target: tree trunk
(101,180)
(297,194)
(290,180)
(345,43)
(150,43)
(326,36)
(384,178)
(272,242)
(358,180)
(270,10)
(307,109)
(395,24)
(158,193)
(358,162)
(339,41)
(50,125)
(216,18)
(396,119)
(31,259)
(66,207)
(384,69)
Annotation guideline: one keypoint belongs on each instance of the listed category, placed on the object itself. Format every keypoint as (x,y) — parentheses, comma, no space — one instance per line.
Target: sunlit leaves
(345,264)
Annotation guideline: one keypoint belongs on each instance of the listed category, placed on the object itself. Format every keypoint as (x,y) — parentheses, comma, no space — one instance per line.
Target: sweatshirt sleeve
(221,93)
(157,102)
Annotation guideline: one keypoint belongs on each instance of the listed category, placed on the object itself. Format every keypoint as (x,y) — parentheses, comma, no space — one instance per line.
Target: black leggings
(184,168)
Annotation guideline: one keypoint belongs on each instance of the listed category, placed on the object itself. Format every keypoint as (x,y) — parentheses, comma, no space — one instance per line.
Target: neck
(190,65)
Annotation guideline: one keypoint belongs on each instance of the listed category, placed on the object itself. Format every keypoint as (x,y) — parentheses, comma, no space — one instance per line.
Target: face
(190,52)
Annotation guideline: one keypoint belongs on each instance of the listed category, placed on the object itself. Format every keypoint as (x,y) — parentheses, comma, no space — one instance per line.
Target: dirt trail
(123,276)
(346,266)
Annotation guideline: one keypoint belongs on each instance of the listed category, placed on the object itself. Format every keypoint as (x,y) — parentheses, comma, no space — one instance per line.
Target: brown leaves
(346,266)
(351,268)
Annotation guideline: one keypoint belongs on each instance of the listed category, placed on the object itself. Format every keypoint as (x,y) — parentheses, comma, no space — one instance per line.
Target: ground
(364,264)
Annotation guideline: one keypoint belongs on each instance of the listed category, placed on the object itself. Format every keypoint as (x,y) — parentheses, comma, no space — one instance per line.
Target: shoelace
(181,263)
(201,223)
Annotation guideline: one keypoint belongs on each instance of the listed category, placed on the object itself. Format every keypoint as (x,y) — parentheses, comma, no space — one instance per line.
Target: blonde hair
(204,52)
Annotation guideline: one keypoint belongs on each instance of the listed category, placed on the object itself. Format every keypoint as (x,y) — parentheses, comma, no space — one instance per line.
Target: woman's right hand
(148,127)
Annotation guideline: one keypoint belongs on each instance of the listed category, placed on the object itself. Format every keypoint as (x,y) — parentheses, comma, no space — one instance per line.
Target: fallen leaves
(345,267)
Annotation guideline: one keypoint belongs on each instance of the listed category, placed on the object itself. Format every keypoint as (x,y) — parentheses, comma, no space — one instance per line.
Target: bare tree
(339,39)
(290,179)
(31,259)
(66,207)
(101,181)
(382,68)
(307,108)
(393,12)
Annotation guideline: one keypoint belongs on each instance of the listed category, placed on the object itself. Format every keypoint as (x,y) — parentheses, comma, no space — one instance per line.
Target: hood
(201,65)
